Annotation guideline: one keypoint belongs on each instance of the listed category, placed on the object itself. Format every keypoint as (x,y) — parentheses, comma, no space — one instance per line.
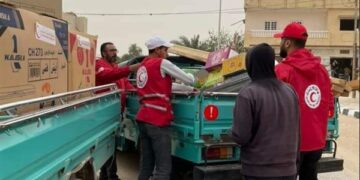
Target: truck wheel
(85,173)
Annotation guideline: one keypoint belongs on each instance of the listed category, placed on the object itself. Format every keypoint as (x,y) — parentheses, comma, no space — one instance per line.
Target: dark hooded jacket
(266,119)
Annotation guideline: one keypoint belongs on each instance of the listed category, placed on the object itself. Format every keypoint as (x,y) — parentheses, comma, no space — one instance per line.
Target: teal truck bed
(70,139)
(201,139)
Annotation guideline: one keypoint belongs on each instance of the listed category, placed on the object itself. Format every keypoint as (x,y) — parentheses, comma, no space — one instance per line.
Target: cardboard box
(233,65)
(337,88)
(40,6)
(34,54)
(336,94)
(216,58)
(348,88)
(75,23)
(354,84)
(337,81)
(196,54)
(81,65)
(345,94)
(214,78)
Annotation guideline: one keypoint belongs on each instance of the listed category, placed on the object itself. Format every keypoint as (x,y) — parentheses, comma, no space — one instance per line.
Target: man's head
(108,51)
(260,62)
(293,37)
(157,47)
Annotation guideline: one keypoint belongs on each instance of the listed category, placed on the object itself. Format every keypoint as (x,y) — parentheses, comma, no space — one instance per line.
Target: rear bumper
(330,164)
(216,172)
(233,171)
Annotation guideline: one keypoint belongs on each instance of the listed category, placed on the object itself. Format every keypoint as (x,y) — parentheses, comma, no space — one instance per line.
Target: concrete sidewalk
(350,106)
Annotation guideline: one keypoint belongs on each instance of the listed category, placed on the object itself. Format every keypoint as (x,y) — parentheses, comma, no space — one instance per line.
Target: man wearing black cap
(266,121)
(311,81)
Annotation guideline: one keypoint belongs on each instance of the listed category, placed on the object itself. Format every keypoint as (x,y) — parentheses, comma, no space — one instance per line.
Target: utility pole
(219,27)
(355,53)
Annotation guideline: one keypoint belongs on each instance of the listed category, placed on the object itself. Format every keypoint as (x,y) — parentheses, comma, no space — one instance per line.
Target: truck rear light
(211,112)
(330,113)
(218,153)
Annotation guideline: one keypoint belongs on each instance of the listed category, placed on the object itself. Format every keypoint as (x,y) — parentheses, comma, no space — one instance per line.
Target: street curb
(350,112)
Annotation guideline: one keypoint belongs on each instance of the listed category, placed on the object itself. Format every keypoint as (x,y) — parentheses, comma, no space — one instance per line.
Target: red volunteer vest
(154,92)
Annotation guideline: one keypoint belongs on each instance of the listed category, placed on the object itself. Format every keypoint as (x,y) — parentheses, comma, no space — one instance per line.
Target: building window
(344,51)
(270,25)
(347,24)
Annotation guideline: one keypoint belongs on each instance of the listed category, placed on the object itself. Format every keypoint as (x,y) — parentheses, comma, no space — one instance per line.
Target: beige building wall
(49,7)
(255,32)
(322,19)
(341,4)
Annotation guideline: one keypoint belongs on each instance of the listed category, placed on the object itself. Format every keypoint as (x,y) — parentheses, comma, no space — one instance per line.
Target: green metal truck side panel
(51,146)
(190,126)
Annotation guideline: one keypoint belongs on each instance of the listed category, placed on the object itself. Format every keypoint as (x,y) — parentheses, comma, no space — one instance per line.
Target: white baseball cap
(155,42)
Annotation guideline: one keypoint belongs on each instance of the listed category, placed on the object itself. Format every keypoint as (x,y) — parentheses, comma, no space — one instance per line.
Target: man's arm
(109,75)
(242,121)
(171,69)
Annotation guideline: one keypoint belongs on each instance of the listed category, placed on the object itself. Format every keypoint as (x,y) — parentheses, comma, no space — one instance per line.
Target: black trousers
(269,178)
(308,164)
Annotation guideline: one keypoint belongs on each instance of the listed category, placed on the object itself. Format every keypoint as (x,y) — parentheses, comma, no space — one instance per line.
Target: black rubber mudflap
(330,164)
(218,172)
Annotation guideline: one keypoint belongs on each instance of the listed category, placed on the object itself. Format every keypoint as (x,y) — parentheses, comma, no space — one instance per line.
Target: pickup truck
(71,137)
(201,145)
(73,134)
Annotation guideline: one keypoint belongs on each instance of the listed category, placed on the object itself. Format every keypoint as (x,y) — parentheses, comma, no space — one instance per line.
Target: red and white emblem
(312,96)
(141,77)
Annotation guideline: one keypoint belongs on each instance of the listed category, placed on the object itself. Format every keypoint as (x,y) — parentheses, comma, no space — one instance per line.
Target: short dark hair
(151,50)
(103,46)
(299,43)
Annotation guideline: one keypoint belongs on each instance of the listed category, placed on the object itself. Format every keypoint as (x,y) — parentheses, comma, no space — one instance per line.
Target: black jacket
(266,119)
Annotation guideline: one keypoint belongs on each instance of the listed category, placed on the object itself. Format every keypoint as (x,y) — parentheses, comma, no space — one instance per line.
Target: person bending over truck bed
(154,85)
(107,71)
(266,121)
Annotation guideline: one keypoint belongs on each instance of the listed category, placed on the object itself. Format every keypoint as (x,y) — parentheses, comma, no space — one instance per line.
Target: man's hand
(134,67)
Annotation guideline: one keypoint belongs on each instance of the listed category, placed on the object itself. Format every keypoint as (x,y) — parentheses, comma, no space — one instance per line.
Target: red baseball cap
(293,30)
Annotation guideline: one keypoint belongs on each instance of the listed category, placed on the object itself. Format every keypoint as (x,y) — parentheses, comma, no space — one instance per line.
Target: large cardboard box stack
(354,84)
(195,54)
(340,87)
(233,65)
(81,64)
(34,55)
(216,58)
(75,22)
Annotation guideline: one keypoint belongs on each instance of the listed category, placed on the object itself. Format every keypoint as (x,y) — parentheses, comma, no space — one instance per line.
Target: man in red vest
(154,86)
(106,72)
(311,81)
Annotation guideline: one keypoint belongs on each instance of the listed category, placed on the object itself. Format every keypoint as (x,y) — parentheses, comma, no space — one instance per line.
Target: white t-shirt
(172,70)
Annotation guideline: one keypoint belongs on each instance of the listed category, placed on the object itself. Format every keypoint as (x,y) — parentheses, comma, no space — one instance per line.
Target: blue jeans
(155,147)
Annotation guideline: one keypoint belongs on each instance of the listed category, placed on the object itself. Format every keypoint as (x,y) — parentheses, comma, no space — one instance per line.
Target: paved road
(348,144)
(348,149)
